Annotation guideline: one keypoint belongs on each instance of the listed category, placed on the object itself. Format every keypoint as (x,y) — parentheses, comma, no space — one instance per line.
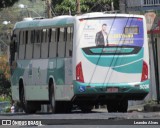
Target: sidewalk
(148,107)
(152,107)
(136,108)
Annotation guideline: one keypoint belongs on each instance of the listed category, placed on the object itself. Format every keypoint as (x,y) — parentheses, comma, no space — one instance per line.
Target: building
(151,10)
(139,5)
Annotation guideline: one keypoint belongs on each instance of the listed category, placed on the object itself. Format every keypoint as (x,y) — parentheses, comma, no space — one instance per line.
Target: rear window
(111,31)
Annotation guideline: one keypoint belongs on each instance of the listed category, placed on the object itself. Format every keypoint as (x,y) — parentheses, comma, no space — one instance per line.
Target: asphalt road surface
(96,119)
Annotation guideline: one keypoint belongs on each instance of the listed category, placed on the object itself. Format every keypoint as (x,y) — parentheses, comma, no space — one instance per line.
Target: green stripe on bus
(91,88)
(120,63)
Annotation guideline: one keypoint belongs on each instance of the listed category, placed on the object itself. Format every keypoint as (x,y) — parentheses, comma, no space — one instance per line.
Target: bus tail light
(81,20)
(144,71)
(79,73)
(139,19)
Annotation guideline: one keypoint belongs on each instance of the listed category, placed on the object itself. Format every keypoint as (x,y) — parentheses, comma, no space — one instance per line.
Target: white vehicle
(83,60)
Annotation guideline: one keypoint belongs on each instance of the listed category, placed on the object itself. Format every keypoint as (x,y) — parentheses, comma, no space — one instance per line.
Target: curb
(135,108)
(152,107)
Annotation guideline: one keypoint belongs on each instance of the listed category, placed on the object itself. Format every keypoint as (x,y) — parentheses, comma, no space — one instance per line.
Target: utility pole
(112,6)
(78,7)
(49,10)
(122,6)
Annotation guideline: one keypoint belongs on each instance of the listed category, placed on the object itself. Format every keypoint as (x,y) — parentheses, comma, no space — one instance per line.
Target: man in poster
(102,36)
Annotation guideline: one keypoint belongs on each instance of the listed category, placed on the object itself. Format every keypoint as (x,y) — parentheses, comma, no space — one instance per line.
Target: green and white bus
(95,58)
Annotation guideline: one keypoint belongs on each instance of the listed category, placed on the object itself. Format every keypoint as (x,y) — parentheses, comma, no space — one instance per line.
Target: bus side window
(35,36)
(53,35)
(65,35)
(32,36)
(69,42)
(37,45)
(61,44)
(17,44)
(49,35)
(22,45)
(21,37)
(44,35)
(44,43)
(72,35)
(25,40)
(53,43)
(29,46)
(65,40)
(29,37)
(38,36)
(61,36)
(26,37)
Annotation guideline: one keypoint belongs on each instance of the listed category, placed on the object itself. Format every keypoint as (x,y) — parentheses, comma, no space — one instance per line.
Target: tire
(123,106)
(22,98)
(27,106)
(86,108)
(63,107)
(112,106)
(52,98)
(117,106)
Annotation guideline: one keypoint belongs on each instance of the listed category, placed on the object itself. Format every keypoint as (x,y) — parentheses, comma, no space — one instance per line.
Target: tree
(61,7)
(4,76)
(5,85)
(7,3)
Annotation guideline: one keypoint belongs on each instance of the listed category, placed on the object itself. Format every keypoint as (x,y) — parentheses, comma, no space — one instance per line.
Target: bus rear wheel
(52,98)
(117,106)
(86,108)
(123,106)
(26,105)
(112,106)
(63,107)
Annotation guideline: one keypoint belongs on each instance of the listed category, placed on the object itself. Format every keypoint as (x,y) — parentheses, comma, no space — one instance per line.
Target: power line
(52,9)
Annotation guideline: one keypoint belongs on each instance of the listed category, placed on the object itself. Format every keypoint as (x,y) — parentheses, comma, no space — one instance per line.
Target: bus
(94,58)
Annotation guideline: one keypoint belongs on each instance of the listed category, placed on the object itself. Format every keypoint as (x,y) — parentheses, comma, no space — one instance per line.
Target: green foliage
(15,13)
(5,106)
(5,86)
(7,3)
(5,98)
(61,7)
(7,109)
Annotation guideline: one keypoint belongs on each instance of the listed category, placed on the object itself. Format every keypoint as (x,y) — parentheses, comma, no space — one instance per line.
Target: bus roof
(56,21)
(103,14)
(66,20)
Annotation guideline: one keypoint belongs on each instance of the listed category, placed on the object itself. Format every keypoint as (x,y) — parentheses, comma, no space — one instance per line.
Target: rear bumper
(128,91)
(103,98)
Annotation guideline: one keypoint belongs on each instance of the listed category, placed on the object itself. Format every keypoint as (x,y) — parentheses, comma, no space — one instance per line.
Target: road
(98,118)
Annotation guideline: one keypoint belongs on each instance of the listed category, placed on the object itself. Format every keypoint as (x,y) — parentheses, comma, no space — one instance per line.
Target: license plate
(112,89)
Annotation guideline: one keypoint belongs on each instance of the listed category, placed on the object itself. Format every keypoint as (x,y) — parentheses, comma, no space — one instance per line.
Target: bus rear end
(112,64)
